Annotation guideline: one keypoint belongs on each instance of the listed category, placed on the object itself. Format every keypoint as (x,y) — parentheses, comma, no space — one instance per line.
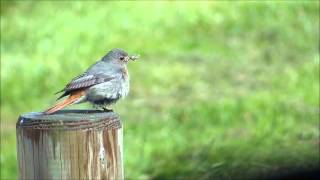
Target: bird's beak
(134,57)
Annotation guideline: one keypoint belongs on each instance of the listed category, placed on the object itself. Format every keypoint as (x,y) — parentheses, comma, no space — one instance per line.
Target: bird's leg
(106,109)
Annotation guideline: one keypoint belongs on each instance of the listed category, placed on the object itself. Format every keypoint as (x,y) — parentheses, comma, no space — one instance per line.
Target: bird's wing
(84,81)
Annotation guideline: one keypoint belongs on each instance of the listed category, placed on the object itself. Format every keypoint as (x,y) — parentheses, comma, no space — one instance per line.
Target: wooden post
(70,144)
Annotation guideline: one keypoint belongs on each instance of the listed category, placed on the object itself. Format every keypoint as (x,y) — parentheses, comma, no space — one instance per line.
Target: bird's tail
(74,96)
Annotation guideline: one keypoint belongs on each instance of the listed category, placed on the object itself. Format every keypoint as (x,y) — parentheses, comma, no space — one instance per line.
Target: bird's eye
(121,58)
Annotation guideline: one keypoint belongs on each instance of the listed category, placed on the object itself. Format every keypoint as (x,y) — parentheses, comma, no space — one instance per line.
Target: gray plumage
(103,83)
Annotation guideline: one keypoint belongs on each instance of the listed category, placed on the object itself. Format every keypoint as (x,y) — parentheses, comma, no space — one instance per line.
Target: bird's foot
(106,109)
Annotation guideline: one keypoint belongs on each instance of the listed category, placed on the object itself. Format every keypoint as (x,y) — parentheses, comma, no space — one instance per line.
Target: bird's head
(119,56)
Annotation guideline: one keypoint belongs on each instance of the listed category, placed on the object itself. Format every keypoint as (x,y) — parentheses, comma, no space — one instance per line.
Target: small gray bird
(104,83)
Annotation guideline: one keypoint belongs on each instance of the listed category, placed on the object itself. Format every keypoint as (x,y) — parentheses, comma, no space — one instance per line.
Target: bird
(102,84)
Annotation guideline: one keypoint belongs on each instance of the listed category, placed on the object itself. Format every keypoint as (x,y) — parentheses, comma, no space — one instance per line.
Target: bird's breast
(124,73)
(113,89)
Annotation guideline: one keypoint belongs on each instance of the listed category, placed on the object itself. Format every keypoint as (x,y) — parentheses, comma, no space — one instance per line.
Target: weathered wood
(70,144)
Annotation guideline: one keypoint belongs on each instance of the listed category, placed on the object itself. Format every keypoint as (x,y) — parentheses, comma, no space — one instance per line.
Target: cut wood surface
(70,144)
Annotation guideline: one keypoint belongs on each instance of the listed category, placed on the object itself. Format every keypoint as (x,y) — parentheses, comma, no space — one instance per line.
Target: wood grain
(70,144)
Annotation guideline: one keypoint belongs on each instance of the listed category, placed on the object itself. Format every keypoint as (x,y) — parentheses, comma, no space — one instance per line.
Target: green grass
(222,90)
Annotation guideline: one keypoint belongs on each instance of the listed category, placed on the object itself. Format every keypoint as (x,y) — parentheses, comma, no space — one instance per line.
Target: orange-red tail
(71,99)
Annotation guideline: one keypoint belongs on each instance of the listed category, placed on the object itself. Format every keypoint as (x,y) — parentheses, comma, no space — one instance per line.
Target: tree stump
(70,144)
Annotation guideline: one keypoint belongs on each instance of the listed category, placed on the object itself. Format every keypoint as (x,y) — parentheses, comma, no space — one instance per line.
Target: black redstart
(104,83)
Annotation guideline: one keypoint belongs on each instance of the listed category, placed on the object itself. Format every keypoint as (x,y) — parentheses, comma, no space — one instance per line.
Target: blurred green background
(222,90)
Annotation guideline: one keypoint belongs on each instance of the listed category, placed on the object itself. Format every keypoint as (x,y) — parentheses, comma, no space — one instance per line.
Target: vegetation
(222,89)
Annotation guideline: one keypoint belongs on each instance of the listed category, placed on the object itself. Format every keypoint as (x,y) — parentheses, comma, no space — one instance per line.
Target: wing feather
(84,81)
